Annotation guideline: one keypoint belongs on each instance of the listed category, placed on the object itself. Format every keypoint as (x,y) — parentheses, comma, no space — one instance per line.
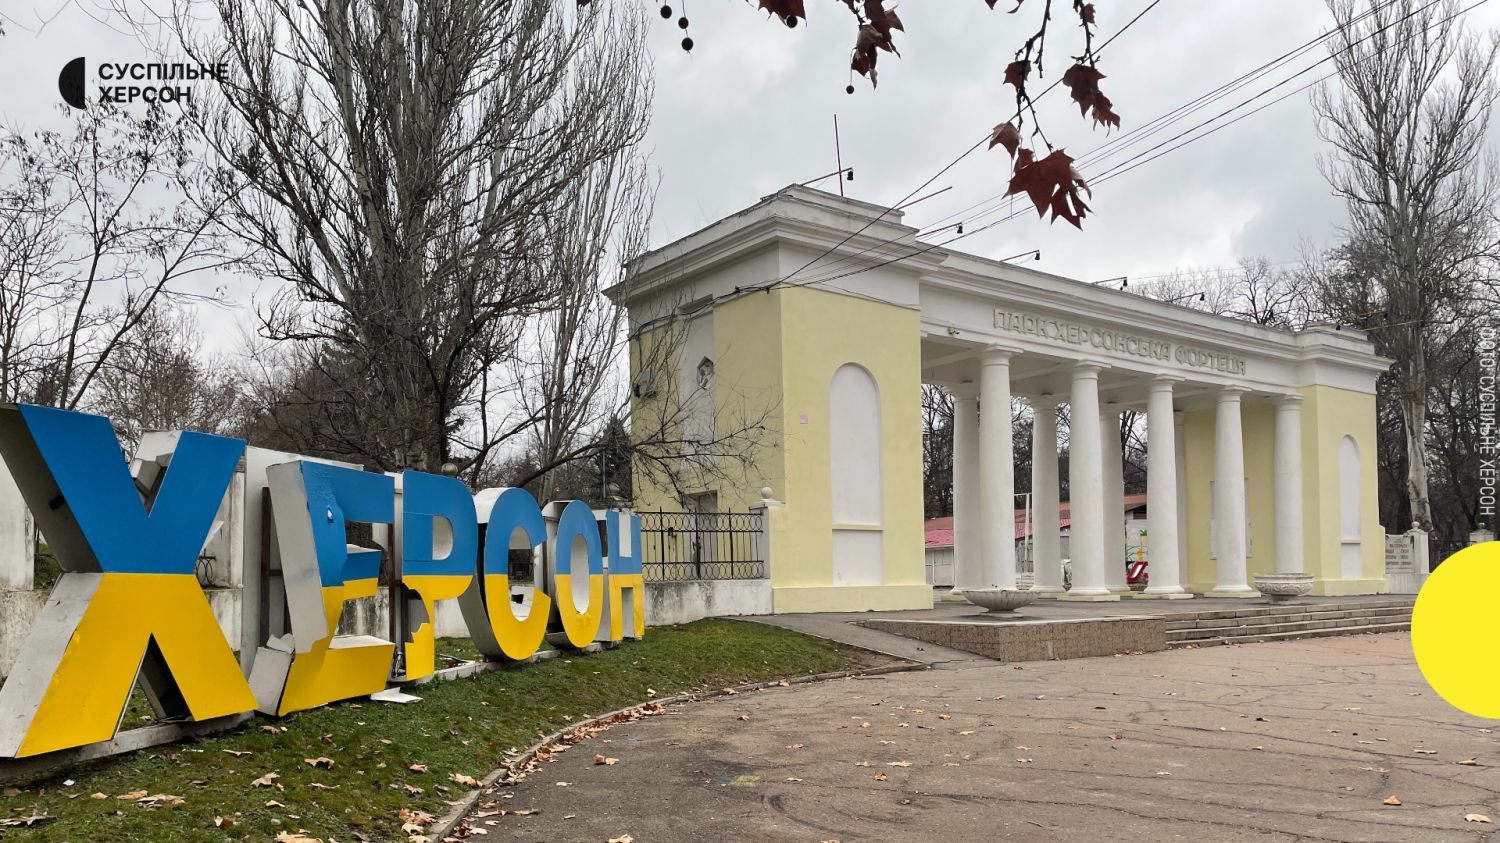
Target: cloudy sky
(751,110)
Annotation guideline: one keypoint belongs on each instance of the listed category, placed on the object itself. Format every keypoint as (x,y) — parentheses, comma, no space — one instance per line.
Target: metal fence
(681,546)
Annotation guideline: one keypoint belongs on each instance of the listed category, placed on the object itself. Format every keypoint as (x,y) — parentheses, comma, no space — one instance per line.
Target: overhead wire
(1146,156)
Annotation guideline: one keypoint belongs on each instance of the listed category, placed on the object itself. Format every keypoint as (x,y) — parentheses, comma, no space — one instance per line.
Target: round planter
(999,599)
(1281,588)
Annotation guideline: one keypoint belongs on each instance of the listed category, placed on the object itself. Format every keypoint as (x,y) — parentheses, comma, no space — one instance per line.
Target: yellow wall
(1328,414)
(747,394)
(822,331)
(774,358)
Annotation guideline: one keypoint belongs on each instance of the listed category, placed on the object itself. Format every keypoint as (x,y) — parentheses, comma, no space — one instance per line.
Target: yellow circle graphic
(1455,630)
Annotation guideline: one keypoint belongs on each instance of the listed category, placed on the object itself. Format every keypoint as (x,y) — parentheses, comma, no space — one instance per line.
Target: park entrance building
(795,389)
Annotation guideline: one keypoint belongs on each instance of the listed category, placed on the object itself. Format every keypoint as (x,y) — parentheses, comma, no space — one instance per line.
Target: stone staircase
(1287,622)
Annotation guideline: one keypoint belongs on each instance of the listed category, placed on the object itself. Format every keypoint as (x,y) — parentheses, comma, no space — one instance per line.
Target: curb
(445,825)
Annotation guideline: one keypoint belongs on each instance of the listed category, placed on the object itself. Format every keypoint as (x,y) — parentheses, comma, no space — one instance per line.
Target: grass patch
(462,727)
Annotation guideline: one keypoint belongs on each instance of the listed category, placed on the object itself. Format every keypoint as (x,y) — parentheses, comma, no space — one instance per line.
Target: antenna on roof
(846,173)
(838,154)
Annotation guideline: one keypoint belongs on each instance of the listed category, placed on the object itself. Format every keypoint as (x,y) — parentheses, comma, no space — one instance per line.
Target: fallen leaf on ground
(898,764)
(321,761)
(606,760)
(27,821)
(1392,800)
(466,781)
(744,717)
(1023,760)
(272,803)
(1469,762)
(417,768)
(237,753)
(880,777)
(99,796)
(158,799)
(296,837)
(264,781)
(132,795)
(223,822)
(1476,818)
(1425,751)
(411,789)
(624,838)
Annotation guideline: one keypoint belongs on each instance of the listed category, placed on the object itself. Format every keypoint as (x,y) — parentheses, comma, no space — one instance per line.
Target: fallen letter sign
(129,604)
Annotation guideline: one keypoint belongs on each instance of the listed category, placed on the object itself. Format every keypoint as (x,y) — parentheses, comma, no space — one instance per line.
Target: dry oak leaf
(466,781)
(223,822)
(1050,183)
(1476,818)
(411,789)
(417,768)
(321,761)
(1469,762)
(1016,73)
(606,760)
(272,803)
(99,796)
(267,780)
(1391,800)
(1083,81)
(156,800)
(880,777)
(296,837)
(1007,135)
(132,795)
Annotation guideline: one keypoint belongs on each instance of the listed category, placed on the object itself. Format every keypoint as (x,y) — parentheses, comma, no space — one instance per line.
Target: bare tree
(96,230)
(162,378)
(401,165)
(937,451)
(568,377)
(1253,291)
(1407,123)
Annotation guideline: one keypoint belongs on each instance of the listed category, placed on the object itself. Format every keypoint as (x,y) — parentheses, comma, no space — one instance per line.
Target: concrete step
(1286,617)
(1262,609)
(1292,636)
(1243,630)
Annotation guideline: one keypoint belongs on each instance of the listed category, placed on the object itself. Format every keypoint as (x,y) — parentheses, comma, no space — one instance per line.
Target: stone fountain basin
(999,599)
(1281,588)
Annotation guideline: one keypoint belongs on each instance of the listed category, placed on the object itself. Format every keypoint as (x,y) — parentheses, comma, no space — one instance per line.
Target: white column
(1086,488)
(1161,493)
(1114,500)
(968,570)
(1179,428)
(1229,498)
(1046,551)
(1289,484)
(997,482)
